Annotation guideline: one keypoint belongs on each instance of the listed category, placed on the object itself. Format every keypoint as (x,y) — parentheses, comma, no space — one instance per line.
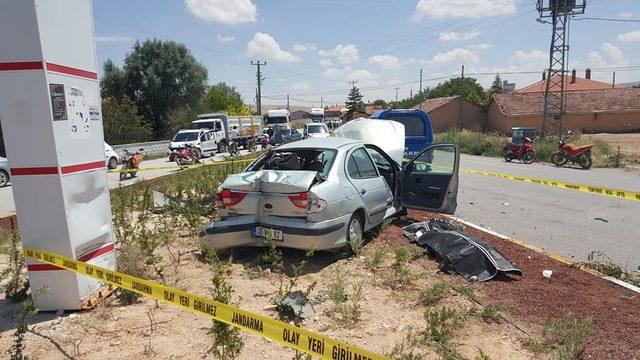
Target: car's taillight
(226,198)
(300,200)
(313,205)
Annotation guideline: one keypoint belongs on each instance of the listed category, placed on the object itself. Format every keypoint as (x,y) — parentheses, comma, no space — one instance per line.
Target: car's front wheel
(4,178)
(113,163)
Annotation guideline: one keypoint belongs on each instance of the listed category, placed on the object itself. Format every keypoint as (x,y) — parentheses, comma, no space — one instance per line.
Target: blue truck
(417,127)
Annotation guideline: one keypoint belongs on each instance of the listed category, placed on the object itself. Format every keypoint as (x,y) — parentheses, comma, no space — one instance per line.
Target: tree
(122,124)
(354,103)
(159,77)
(223,98)
(113,83)
(380,103)
(496,87)
(636,86)
(467,87)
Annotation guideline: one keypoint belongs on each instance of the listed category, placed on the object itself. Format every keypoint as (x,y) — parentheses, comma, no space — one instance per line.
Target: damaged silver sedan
(321,193)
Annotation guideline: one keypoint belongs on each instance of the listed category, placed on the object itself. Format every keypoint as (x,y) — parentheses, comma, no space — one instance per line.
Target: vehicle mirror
(421,167)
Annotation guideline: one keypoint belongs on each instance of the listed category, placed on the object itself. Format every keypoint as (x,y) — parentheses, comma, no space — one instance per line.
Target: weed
(386,223)
(567,335)
(375,258)
(489,313)
(466,290)
(17,286)
(350,311)
(16,352)
(442,325)
(432,294)
(227,343)
(400,273)
(356,244)
(482,356)
(600,262)
(406,349)
(337,291)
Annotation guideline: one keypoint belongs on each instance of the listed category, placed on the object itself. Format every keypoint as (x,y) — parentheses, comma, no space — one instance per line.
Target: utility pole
(462,75)
(259,81)
(321,102)
(421,97)
(287,101)
(353,83)
(411,93)
(397,93)
(555,93)
(613,84)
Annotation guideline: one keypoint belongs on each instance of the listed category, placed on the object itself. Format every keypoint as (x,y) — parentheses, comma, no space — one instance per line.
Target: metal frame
(555,92)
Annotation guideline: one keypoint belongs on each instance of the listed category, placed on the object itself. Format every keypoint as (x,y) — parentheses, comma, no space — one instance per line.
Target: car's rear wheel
(355,233)
(4,178)
(113,163)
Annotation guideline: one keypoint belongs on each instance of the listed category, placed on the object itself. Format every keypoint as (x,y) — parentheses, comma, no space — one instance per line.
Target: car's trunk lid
(270,192)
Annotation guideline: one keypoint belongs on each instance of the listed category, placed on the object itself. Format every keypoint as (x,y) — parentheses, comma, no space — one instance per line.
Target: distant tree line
(469,88)
(160,89)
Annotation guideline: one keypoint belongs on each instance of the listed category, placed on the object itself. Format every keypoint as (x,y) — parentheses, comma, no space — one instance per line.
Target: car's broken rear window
(320,160)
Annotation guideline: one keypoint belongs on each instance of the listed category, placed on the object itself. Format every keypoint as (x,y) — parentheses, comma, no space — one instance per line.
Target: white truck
(221,125)
(281,118)
(317,115)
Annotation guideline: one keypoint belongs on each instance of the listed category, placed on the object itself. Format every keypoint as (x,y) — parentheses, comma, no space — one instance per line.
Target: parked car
(323,193)
(4,172)
(202,139)
(316,130)
(110,157)
(285,136)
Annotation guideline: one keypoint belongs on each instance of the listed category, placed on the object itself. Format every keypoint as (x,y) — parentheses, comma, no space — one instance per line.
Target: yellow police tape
(616,193)
(286,334)
(176,167)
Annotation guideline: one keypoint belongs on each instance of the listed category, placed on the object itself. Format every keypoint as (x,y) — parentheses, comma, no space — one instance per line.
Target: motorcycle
(525,152)
(130,163)
(233,148)
(264,141)
(252,145)
(572,153)
(186,156)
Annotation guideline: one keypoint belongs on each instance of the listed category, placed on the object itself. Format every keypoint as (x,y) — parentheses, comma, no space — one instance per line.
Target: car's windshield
(285,132)
(277,120)
(320,160)
(317,129)
(185,136)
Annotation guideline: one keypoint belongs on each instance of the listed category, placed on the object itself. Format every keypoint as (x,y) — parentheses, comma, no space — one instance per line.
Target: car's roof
(190,130)
(322,143)
(316,124)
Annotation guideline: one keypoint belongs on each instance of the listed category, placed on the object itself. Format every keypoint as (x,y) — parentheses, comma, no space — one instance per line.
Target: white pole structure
(52,124)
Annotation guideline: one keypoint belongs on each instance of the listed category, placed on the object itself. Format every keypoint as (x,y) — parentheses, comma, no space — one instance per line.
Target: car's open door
(430,180)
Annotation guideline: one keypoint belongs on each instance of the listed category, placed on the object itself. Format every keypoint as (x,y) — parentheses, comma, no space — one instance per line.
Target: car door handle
(363,191)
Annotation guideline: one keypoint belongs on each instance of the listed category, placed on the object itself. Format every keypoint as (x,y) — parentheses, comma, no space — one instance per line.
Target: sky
(314,48)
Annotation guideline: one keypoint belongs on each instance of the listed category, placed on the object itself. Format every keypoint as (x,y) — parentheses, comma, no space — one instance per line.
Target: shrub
(432,294)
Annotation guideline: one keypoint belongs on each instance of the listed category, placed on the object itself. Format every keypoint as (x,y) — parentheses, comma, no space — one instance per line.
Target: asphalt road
(566,222)
(6,195)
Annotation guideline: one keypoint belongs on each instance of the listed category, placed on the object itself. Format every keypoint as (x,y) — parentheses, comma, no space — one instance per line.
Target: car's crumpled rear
(273,204)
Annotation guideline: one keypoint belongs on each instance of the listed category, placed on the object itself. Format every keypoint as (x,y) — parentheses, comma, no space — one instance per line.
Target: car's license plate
(265,233)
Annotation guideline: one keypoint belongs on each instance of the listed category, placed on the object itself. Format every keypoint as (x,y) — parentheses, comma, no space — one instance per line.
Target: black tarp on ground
(464,253)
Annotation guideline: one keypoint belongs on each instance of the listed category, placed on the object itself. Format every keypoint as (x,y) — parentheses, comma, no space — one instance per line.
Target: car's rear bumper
(297,233)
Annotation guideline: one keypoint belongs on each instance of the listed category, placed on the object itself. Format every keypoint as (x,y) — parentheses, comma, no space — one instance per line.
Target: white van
(281,118)
(317,115)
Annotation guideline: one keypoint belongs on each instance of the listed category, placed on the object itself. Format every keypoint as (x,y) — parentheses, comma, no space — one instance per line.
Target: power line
(608,19)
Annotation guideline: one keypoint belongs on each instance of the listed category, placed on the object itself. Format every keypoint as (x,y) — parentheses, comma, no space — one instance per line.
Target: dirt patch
(535,300)
(390,308)
(629,144)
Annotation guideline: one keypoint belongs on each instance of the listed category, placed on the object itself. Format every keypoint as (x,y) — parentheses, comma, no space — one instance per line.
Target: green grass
(491,144)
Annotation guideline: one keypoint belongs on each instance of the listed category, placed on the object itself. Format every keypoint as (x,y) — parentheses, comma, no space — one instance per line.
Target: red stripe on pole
(43,170)
(94,254)
(84,258)
(72,71)
(20,65)
(82,167)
